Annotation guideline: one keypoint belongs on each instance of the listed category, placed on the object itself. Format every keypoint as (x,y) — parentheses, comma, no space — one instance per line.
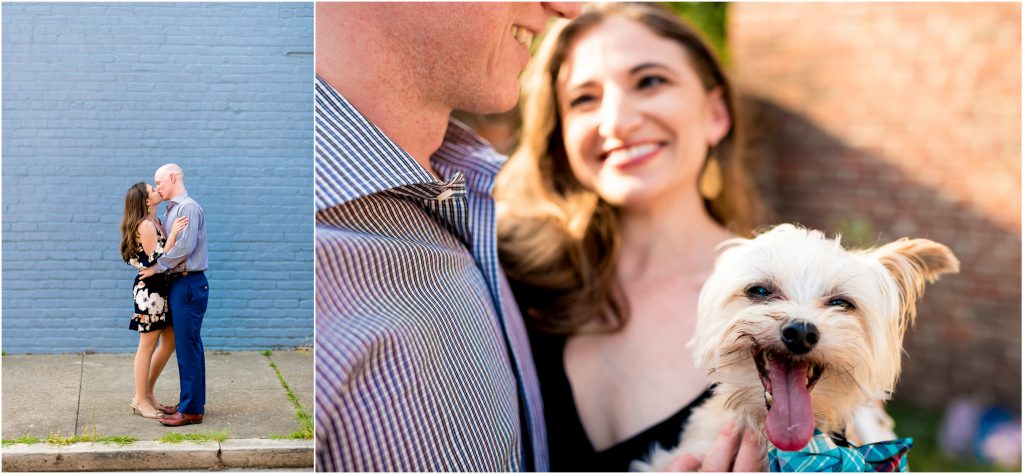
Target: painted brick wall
(885,121)
(95,98)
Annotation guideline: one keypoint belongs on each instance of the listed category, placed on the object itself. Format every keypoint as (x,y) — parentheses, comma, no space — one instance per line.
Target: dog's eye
(759,292)
(840,303)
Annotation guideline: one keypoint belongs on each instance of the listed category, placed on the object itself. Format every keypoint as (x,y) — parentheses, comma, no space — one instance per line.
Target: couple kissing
(170,293)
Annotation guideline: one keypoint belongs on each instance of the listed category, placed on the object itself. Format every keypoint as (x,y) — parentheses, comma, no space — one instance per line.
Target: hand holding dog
(731,452)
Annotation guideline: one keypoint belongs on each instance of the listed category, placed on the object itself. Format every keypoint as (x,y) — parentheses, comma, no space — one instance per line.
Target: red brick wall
(885,121)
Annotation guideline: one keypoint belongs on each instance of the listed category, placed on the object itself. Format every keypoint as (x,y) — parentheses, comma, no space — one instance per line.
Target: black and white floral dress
(151,310)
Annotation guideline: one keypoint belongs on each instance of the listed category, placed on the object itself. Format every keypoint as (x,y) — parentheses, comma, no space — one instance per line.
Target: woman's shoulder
(146,226)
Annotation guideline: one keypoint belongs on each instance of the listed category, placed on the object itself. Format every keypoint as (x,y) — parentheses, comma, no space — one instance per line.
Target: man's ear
(912,263)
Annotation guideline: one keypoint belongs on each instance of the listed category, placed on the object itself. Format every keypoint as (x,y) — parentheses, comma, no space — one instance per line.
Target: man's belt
(183,274)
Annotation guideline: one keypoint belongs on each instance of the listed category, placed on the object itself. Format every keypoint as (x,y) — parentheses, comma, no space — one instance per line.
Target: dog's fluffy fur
(811,278)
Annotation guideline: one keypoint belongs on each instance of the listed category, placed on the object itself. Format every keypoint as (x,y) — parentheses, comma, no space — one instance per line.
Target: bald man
(188,291)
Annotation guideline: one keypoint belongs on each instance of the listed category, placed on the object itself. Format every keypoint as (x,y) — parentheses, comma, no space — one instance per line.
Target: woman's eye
(650,81)
(840,303)
(580,100)
(759,292)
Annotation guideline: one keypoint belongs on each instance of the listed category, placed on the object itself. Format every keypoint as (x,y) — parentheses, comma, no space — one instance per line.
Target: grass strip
(305,418)
(198,437)
(88,437)
(297,434)
(21,440)
(119,440)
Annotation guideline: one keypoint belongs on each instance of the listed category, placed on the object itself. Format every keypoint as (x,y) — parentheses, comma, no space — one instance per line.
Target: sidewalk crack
(304,418)
(78,404)
(220,456)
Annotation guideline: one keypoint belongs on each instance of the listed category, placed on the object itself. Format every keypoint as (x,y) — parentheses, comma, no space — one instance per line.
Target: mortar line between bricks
(78,403)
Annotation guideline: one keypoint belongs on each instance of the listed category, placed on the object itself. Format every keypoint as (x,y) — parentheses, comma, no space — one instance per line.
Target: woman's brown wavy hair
(558,240)
(135,211)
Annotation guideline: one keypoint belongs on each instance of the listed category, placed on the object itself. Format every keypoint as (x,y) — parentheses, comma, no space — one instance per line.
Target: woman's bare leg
(160,358)
(147,343)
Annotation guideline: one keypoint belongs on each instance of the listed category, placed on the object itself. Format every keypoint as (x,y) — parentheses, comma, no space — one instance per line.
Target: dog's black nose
(800,337)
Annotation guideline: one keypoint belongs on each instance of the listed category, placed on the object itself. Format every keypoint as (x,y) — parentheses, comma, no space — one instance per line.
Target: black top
(569,447)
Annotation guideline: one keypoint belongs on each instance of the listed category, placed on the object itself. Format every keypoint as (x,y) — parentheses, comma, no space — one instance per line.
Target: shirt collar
(179,198)
(465,151)
(354,158)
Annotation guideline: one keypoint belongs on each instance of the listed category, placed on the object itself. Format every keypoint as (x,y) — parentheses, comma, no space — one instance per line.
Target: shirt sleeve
(186,242)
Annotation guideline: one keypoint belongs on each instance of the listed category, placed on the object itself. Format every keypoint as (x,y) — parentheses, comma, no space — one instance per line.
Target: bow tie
(822,455)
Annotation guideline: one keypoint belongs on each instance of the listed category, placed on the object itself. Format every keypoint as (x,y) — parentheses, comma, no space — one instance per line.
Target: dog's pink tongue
(790,421)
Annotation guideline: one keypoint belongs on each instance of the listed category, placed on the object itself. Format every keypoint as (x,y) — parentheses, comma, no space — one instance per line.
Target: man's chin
(496,103)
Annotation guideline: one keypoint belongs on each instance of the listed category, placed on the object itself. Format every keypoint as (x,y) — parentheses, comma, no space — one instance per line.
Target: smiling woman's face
(636,120)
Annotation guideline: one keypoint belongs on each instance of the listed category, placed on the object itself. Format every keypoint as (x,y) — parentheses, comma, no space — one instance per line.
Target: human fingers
(684,463)
(750,457)
(723,450)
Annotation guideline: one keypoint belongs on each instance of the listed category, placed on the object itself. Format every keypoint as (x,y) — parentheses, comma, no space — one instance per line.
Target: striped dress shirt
(422,359)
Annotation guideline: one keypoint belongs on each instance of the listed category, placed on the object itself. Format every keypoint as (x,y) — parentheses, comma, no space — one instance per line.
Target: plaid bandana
(822,455)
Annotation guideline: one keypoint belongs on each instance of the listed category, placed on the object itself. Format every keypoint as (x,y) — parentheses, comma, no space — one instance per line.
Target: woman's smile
(637,123)
(628,157)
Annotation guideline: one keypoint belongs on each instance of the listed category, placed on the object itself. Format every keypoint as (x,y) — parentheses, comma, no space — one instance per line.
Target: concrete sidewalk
(81,394)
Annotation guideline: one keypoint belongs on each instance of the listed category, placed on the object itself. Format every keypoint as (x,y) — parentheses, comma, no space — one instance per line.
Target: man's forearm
(168,262)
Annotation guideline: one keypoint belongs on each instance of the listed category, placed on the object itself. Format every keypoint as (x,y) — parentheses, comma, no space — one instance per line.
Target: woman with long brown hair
(142,243)
(626,178)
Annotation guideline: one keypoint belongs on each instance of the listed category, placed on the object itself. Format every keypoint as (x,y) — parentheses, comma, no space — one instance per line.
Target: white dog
(798,332)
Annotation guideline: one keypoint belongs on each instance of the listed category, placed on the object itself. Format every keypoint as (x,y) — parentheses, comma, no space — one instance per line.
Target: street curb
(154,455)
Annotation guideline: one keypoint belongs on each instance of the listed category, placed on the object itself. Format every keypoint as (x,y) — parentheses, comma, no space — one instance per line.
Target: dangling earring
(710,183)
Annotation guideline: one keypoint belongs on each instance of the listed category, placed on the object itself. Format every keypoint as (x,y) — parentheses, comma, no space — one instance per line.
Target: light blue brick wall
(96,97)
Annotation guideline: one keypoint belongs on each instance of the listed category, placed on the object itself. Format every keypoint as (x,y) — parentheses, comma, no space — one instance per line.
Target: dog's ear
(912,263)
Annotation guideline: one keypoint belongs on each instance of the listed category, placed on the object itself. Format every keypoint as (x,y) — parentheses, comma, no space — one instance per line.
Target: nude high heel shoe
(137,411)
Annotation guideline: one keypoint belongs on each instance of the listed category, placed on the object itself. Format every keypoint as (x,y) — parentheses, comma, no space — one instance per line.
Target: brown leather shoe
(168,410)
(181,419)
